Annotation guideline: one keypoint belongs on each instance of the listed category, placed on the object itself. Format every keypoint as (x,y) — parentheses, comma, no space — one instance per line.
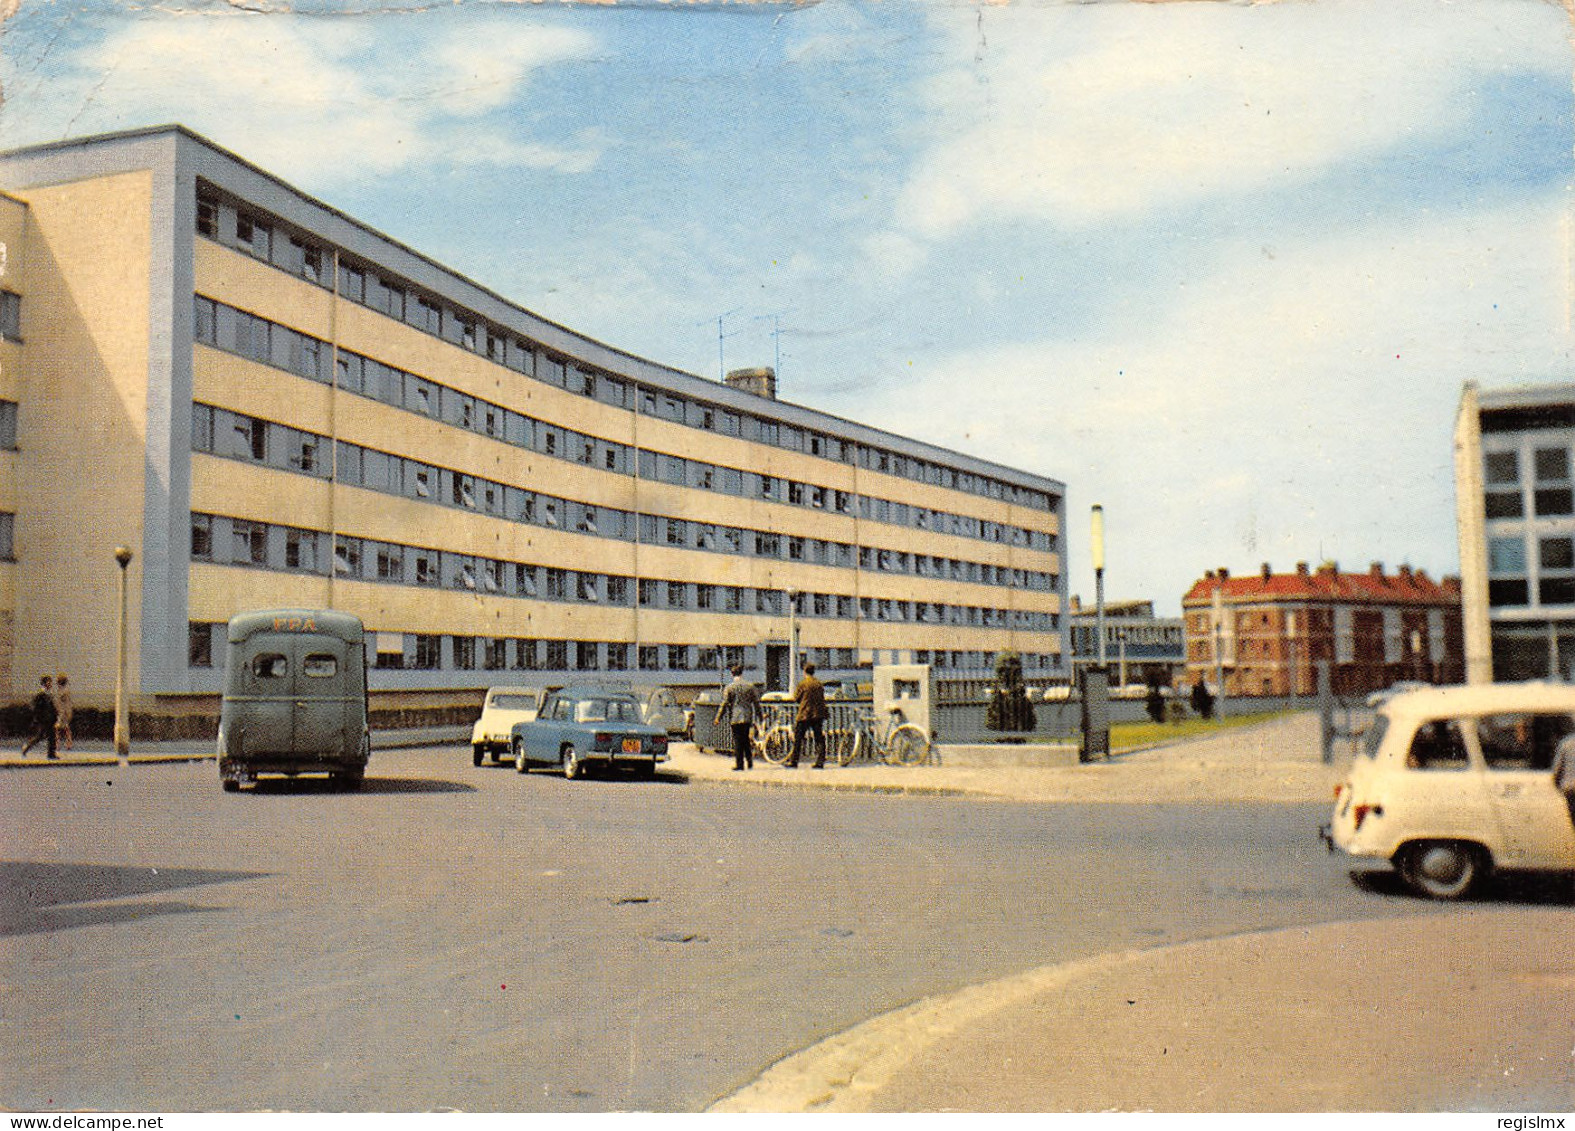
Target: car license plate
(631,746)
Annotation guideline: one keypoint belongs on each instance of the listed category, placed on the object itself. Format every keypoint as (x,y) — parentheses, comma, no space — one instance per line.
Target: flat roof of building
(634,367)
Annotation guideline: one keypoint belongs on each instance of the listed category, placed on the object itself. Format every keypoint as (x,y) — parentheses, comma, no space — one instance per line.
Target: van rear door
(323,703)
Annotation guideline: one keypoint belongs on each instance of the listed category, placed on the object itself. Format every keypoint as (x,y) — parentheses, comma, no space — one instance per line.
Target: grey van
(294,697)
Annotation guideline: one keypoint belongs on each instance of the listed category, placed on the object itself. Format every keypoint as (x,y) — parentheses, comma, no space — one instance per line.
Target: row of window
(1549,487)
(266,239)
(7,426)
(1507,567)
(418,651)
(10,316)
(219,431)
(7,536)
(223,540)
(239,332)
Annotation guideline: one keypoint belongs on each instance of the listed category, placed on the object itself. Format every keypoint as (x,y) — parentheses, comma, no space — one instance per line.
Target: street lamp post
(1096,547)
(1121,641)
(122,729)
(792,674)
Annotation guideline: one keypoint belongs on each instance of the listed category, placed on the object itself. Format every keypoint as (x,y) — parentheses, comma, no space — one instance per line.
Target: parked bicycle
(774,741)
(895,741)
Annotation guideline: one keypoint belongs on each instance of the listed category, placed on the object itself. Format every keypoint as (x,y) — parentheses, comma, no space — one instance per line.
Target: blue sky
(1222,268)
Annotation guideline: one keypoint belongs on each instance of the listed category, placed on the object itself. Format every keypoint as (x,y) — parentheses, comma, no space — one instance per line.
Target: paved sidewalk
(1273,762)
(1466,1010)
(100,752)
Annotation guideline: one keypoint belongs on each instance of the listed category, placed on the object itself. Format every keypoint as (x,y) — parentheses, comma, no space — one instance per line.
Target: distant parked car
(494,731)
(1455,782)
(581,727)
(659,708)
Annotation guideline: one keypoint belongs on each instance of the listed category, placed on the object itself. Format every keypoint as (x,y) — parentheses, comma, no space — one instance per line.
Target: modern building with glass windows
(1515,500)
(274,405)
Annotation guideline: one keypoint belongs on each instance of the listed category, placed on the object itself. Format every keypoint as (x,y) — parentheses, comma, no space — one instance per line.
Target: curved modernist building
(274,405)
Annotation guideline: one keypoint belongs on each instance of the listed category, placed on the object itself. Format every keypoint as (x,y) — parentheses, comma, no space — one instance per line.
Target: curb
(833,786)
(99,760)
(844,1072)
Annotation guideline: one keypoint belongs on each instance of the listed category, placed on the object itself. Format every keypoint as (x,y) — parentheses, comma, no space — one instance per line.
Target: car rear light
(1337,790)
(1361,811)
(659,743)
(602,740)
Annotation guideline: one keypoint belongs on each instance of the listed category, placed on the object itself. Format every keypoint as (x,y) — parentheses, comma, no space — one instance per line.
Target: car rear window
(514,702)
(319,665)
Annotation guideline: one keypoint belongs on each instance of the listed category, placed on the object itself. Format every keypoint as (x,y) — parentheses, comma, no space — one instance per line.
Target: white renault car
(494,731)
(1455,782)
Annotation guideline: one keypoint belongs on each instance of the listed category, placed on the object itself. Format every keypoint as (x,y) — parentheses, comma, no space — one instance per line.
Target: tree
(1009,708)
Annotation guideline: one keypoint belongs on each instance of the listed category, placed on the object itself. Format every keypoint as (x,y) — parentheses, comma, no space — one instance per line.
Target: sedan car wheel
(1441,869)
(521,763)
(572,766)
(477,753)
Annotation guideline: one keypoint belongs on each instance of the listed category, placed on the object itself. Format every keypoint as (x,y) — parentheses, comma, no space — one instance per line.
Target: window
(199,644)
(208,217)
(1552,465)
(205,321)
(1508,555)
(465,653)
(1557,553)
(650,657)
(429,652)
(617,590)
(1508,591)
(202,537)
(250,543)
(270,665)
(495,654)
(347,557)
(427,567)
(1554,501)
(300,550)
(1521,742)
(617,657)
(390,562)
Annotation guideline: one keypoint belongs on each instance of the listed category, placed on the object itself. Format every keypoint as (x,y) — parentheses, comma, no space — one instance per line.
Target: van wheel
(570,760)
(1441,869)
(478,753)
(231,785)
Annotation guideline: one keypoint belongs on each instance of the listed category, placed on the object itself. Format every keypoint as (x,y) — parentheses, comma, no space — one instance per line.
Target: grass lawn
(1130,736)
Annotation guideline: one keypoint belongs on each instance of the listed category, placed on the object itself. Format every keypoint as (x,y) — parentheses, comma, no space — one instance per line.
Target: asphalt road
(453,937)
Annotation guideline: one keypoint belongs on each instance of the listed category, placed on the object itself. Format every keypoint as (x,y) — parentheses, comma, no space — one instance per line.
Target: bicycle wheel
(844,746)
(777,745)
(909,746)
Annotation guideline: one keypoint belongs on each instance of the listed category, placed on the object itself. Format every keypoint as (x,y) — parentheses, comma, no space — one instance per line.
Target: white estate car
(1457,781)
(494,731)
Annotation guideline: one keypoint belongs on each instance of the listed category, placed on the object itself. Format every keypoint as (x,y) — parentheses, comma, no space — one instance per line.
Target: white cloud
(1081,114)
(1285,408)
(314,99)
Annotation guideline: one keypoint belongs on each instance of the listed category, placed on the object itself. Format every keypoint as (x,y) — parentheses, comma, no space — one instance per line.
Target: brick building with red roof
(1267,632)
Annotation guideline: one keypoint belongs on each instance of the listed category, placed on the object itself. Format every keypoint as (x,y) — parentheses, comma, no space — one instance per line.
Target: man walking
(810,695)
(44,716)
(741,706)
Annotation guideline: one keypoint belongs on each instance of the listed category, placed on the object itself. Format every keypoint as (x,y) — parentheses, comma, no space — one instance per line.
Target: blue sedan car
(580,727)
